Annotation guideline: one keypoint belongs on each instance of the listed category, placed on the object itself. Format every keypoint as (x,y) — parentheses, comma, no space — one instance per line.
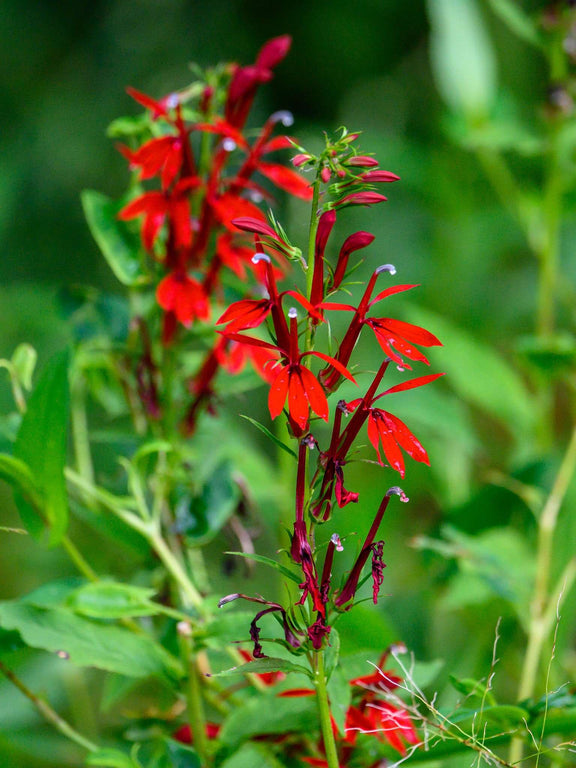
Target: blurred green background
(437,90)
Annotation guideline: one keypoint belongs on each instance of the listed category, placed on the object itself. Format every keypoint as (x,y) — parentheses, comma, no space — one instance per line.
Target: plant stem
(49,714)
(176,570)
(196,718)
(78,559)
(324,711)
(541,616)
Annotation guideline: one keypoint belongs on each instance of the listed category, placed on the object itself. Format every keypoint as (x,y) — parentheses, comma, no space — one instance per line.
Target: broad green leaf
(112,600)
(272,563)
(202,517)
(18,475)
(340,695)
(269,714)
(120,247)
(269,434)
(517,21)
(110,758)
(87,643)
(42,444)
(463,60)
(479,374)
(260,666)
(253,756)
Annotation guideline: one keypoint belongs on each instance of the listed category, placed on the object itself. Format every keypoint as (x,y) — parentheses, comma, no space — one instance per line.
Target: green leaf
(251,755)
(271,435)
(120,247)
(260,666)
(463,60)
(110,758)
(202,517)
(269,561)
(42,444)
(517,21)
(112,600)
(479,374)
(269,714)
(88,643)
(225,628)
(18,475)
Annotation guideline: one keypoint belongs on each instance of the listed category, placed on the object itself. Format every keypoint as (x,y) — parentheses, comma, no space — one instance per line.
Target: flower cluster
(195,170)
(343,178)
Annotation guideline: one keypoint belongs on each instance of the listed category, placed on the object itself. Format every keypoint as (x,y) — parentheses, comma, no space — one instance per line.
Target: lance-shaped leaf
(41,444)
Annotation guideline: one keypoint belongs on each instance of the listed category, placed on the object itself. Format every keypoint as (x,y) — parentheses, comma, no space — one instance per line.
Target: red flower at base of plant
(184,296)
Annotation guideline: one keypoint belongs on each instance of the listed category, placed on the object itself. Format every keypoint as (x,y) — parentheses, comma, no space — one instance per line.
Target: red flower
(184,296)
(397,337)
(157,207)
(164,154)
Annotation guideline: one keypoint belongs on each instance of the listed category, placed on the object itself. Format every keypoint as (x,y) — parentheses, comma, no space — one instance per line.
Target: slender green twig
(196,717)
(542,609)
(49,714)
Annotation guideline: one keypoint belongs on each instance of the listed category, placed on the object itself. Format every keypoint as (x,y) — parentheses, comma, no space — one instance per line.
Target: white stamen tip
(258,257)
(283,116)
(228,144)
(390,268)
(292,312)
(400,368)
(335,539)
(172,101)
(397,491)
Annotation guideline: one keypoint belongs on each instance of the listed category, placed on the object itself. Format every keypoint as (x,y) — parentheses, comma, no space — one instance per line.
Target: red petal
(297,400)
(335,363)
(278,142)
(256,226)
(278,393)
(314,393)
(412,333)
(406,439)
(272,52)
(420,381)
(287,179)
(391,291)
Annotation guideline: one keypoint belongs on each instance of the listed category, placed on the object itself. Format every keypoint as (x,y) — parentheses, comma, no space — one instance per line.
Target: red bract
(184,296)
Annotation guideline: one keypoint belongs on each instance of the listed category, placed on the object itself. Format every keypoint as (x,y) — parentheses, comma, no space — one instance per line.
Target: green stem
(49,714)
(542,613)
(196,717)
(78,560)
(324,711)
(176,570)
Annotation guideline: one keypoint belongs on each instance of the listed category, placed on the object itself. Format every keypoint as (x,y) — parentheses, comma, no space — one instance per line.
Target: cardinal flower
(184,296)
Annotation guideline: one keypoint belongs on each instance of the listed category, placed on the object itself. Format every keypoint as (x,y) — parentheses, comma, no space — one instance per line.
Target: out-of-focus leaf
(120,247)
(86,642)
(42,444)
(510,12)
(252,756)
(110,758)
(552,356)
(480,375)
(201,518)
(269,714)
(340,695)
(18,475)
(24,362)
(112,600)
(463,60)
(226,628)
